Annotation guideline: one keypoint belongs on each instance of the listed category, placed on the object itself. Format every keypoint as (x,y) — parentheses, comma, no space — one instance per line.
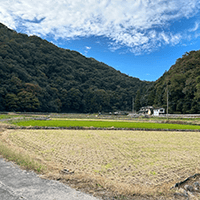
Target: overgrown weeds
(20,159)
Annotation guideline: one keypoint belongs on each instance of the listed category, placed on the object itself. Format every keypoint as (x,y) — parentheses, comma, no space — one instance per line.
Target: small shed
(147,110)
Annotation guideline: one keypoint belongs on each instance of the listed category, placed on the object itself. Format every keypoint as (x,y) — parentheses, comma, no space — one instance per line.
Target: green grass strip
(9,116)
(104,124)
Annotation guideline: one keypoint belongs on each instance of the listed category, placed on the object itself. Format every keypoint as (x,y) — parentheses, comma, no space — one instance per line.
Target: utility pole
(167,101)
(133,105)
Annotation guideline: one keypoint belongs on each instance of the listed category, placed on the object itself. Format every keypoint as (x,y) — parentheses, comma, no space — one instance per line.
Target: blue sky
(141,38)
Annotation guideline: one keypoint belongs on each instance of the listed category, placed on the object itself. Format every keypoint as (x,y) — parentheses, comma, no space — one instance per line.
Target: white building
(158,111)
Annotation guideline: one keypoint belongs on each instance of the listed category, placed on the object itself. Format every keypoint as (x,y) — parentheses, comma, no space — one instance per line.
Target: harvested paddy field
(123,162)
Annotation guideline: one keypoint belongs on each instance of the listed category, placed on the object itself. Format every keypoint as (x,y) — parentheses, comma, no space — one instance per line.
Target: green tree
(151,97)
(27,101)
(137,101)
(197,94)
(158,97)
(75,97)
(100,100)
(11,102)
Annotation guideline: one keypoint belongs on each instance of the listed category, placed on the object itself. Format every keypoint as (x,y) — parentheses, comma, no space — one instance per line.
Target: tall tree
(137,101)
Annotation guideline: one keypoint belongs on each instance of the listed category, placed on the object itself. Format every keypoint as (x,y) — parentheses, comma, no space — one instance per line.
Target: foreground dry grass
(126,162)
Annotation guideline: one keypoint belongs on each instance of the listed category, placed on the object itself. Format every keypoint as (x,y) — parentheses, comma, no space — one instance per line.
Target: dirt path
(17,184)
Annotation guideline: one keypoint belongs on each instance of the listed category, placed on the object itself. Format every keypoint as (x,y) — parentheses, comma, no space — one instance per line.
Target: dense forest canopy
(35,75)
(182,82)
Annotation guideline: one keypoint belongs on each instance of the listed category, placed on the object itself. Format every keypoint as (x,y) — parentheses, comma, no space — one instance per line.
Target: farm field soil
(123,162)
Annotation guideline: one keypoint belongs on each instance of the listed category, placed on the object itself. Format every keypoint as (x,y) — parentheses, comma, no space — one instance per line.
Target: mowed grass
(128,158)
(104,124)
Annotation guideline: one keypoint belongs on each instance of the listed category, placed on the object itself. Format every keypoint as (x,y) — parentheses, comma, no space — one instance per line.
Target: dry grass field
(124,162)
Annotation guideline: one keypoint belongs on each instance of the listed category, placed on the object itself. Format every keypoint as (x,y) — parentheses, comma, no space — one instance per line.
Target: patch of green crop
(104,124)
(3,116)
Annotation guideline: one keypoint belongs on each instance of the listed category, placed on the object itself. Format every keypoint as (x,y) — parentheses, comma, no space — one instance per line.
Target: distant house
(147,110)
(158,111)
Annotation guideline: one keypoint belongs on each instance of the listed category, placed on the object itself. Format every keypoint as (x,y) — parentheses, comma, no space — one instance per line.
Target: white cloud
(88,48)
(139,25)
(196,27)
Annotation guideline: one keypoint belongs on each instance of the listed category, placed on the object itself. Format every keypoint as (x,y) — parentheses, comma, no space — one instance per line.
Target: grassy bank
(20,158)
(2,116)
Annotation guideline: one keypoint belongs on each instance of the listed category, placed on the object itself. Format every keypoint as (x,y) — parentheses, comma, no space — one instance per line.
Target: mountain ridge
(182,83)
(36,75)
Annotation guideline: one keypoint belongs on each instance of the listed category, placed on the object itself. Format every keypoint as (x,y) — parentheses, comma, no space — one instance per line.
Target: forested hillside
(182,82)
(35,75)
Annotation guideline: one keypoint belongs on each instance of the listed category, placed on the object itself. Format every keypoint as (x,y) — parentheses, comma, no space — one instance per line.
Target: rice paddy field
(122,162)
(124,159)
(106,124)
